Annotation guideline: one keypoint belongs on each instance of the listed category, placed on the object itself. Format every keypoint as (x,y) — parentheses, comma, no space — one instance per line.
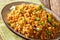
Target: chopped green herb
(42,7)
(17,24)
(24,20)
(20,7)
(48,32)
(42,23)
(37,12)
(37,19)
(37,9)
(54,25)
(49,19)
(38,28)
(33,12)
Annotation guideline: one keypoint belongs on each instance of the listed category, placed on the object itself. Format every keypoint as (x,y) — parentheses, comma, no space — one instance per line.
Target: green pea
(37,19)
(42,23)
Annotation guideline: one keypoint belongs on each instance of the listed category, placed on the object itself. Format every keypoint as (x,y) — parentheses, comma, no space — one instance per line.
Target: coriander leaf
(37,19)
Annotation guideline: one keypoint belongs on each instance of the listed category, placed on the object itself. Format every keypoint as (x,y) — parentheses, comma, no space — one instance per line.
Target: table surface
(0,37)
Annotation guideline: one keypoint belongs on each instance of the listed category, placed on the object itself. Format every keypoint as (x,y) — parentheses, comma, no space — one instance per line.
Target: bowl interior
(5,11)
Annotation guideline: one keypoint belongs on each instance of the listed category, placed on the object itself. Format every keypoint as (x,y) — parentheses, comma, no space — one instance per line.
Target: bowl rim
(19,34)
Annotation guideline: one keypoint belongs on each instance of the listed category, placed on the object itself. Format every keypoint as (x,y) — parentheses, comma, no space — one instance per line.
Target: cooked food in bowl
(33,21)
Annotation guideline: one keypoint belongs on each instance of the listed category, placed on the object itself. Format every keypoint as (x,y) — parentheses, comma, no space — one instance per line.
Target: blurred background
(54,5)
